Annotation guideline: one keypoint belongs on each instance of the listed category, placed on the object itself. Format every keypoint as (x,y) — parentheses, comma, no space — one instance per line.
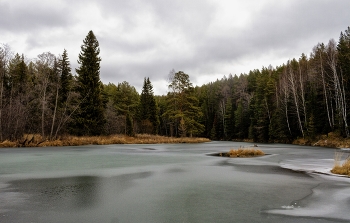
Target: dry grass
(339,167)
(241,152)
(7,143)
(31,140)
(332,139)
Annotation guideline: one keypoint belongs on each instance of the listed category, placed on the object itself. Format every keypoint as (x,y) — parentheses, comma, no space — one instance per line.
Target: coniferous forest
(302,98)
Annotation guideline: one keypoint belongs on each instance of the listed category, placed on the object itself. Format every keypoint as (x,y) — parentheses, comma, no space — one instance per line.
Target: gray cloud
(205,39)
(22,16)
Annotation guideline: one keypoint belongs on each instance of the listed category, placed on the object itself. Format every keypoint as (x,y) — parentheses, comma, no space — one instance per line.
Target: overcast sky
(206,39)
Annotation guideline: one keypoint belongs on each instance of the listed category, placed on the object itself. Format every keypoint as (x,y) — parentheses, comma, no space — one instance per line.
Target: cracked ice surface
(328,200)
(309,165)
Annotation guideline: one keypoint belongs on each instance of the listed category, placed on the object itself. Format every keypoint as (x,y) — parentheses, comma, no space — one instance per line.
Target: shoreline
(331,140)
(38,141)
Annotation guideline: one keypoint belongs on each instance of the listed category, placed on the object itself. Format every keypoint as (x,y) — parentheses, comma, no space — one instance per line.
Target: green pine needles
(148,109)
(89,119)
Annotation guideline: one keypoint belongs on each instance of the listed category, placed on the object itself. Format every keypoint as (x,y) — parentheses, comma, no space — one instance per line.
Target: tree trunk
(295,98)
(330,121)
(54,113)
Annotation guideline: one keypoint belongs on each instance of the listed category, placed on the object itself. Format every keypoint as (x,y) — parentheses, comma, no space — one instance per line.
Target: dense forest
(304,97)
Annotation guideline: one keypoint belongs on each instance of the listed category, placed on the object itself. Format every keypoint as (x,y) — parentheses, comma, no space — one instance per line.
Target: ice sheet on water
(287,207)
(309,165)
(330,199)
(324,202)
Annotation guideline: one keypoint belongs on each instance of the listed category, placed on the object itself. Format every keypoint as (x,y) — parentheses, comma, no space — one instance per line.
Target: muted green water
(169,183)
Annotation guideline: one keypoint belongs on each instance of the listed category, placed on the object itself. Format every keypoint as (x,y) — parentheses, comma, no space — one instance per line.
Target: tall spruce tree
(65,78)
(148,109)
(89,120)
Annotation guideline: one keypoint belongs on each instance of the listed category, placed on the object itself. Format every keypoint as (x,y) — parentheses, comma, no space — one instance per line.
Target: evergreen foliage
(148,109)
(124,101)
(89,119)
(182,107)
(18,75)
(66,78)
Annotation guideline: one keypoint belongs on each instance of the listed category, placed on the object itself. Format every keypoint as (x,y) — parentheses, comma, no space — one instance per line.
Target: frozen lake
(171,183)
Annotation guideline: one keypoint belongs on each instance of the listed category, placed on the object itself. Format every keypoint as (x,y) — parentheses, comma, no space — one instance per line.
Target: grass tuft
(339,167)
(7,143)
(241,152)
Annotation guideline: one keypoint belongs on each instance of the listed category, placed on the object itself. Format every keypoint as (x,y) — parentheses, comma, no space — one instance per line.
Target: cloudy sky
(206,39)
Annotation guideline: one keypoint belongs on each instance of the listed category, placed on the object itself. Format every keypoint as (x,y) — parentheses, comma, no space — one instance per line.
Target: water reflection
(59,193)
(71,192)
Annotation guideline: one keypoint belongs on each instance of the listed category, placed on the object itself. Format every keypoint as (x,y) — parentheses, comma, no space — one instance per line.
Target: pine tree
(89,120)
(65,77)
(259,108)
(183,105)
(148,109)
(63,107)
(18,75)
(126,103)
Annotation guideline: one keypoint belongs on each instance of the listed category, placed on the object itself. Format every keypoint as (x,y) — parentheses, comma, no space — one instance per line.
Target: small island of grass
(243,153)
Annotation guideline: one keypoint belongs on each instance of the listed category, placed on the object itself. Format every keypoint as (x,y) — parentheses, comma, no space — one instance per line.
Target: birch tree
(338,86)
(44,67)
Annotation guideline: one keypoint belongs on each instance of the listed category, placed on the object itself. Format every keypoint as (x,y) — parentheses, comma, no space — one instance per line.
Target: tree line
(304,97)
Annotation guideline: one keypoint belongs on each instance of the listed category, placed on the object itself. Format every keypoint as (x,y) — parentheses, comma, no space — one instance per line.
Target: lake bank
(38,141)
(331,140)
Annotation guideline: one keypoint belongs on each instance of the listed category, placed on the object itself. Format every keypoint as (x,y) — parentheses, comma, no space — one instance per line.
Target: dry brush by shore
(38,141)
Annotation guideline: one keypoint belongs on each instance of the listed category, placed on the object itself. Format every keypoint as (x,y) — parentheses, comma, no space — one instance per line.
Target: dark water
(170,183)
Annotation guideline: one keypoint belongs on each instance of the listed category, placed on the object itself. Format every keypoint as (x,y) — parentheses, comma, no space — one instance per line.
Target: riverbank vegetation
(302,100)
(332,140)
(243,153)
(39,141)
